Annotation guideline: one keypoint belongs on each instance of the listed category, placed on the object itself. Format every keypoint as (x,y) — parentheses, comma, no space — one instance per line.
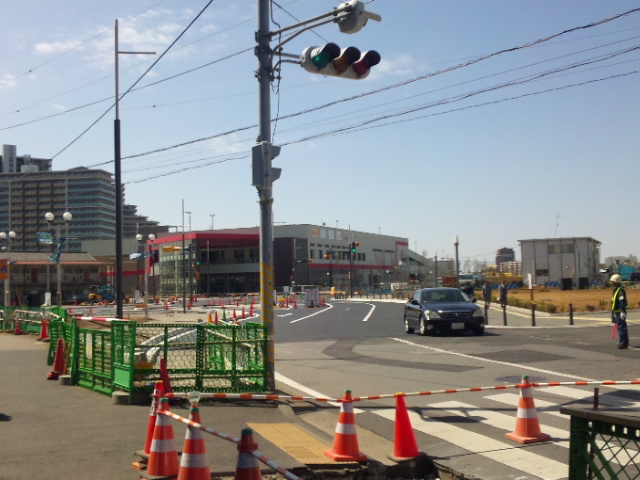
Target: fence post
(571,314)
(533,314)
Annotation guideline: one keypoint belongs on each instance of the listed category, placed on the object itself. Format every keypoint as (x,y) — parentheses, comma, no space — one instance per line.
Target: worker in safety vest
(619,309)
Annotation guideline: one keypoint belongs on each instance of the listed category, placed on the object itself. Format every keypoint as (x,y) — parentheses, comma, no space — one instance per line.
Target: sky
(496,121)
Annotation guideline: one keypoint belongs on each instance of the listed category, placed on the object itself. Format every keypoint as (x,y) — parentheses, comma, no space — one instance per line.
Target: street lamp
(140,255)
(7,281)
(49,217)
(152,238)
(456,242)
(147,255)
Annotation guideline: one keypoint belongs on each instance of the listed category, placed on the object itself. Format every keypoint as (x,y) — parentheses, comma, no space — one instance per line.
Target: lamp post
(49,217)
(152,238)
(8,237)
(456,242)
(140,255)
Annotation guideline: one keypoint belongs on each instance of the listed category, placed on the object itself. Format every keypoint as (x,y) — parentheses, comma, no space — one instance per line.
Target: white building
(561,262)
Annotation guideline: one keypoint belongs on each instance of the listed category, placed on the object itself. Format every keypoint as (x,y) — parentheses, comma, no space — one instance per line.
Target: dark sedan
(435,310)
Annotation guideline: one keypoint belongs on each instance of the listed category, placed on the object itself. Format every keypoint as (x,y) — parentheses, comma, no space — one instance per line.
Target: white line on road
(328,307)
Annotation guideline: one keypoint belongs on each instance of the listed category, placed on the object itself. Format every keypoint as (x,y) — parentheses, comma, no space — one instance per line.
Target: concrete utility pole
(265,195)
(351,17)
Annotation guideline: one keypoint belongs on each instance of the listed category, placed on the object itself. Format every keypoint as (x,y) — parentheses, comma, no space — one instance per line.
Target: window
(557,249)
(542,272)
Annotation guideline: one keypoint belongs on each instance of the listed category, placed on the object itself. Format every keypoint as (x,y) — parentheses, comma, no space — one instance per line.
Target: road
(362,346)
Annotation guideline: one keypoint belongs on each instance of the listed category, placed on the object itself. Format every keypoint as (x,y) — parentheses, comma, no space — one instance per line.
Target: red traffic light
(330,60)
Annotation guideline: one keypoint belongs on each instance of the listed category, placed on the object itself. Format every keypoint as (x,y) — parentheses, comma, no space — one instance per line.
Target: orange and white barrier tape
(254,396)
(236,440)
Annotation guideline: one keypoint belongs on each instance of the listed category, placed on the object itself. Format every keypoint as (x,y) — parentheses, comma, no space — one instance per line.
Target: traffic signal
(326,256)
(330,60)
(352,19)
(354,246)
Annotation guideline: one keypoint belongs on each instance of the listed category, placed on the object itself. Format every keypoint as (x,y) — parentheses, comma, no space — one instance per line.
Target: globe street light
(7,281)
(49,217)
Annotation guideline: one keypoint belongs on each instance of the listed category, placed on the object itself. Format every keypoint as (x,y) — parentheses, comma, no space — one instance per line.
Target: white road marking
(506,453)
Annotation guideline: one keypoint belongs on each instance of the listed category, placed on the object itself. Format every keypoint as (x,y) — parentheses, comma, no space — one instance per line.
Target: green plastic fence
(604,445)
(126,356)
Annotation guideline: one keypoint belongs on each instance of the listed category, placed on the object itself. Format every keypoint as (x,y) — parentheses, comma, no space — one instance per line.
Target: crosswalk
(477,426)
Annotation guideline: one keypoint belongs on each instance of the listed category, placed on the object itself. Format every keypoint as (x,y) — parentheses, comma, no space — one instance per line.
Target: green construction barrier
(603,445)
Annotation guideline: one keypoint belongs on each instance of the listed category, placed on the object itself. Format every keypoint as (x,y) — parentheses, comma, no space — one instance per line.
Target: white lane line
(488,360)
(373,307)
(328,307)
(312,393)
(515,457)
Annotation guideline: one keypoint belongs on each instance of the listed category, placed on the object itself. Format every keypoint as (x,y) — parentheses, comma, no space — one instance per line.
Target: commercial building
(562,262)
(228,261)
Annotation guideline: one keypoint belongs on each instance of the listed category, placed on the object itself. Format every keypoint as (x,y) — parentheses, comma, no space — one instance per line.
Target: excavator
(99,293)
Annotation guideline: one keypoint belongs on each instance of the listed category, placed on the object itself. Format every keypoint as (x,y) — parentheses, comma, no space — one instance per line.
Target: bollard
(571,314)
(533,314)
(486,314)
(504,315)
(596,398)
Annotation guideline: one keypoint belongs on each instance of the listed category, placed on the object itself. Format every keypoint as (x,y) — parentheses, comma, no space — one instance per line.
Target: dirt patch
(593,299)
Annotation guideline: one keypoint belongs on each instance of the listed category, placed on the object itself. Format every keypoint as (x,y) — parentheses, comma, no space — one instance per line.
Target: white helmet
(616,279)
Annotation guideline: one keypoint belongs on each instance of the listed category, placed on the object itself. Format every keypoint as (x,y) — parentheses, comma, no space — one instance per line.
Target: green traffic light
(320,60)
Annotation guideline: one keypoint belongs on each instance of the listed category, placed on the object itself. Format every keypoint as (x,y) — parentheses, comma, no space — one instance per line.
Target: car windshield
(444,296)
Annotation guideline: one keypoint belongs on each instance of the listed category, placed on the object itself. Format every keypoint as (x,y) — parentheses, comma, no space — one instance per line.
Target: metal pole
(184,271)
(456,243)
(146,285)
(263,52)
(59,269)
(118,180)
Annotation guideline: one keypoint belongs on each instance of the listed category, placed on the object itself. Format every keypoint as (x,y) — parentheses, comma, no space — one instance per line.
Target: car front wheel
(423,327)
(478,330)
(407,328)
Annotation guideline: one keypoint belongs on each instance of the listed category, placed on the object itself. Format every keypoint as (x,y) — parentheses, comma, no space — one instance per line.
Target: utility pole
(351,17)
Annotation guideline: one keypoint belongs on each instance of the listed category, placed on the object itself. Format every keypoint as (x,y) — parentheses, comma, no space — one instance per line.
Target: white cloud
(7,81)
(56,47)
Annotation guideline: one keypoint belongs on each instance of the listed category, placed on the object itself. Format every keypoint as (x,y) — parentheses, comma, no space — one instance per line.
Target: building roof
(236,237)
(559,239)
(42,258)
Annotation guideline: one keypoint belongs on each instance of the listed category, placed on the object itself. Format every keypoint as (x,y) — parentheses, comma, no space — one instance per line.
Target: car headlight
(478,313)
(431,314)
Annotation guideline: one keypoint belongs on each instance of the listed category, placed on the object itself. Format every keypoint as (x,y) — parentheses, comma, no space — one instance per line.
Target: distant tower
(505,255)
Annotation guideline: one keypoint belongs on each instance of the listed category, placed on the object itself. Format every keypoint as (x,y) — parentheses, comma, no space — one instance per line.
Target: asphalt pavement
(50,430)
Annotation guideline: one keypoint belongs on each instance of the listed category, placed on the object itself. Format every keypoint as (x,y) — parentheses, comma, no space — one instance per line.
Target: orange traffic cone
(209,319)
(527,424)
(44,330)
(58,361)
(166,305)
(155,402)
(405,446)
(215,318)
(251,309)
(193,462)
(295,302)
(243,315)
(163,456)
(247,467)
(345,443)
(18,329)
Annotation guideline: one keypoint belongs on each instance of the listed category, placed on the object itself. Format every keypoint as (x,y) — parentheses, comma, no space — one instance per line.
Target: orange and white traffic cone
(247,467)
(18,329)
(193,462)
(215,318)
(404,446)
(243,315)
(345,444)
(158,391)
(44,330)
(163,456)
(166,305)
(251,309)
(58,361)
(527,424)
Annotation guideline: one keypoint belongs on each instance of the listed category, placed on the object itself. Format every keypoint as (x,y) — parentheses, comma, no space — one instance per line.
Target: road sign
(45,238)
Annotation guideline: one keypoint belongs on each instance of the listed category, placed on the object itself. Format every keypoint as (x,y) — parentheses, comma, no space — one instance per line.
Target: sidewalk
(55,431)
